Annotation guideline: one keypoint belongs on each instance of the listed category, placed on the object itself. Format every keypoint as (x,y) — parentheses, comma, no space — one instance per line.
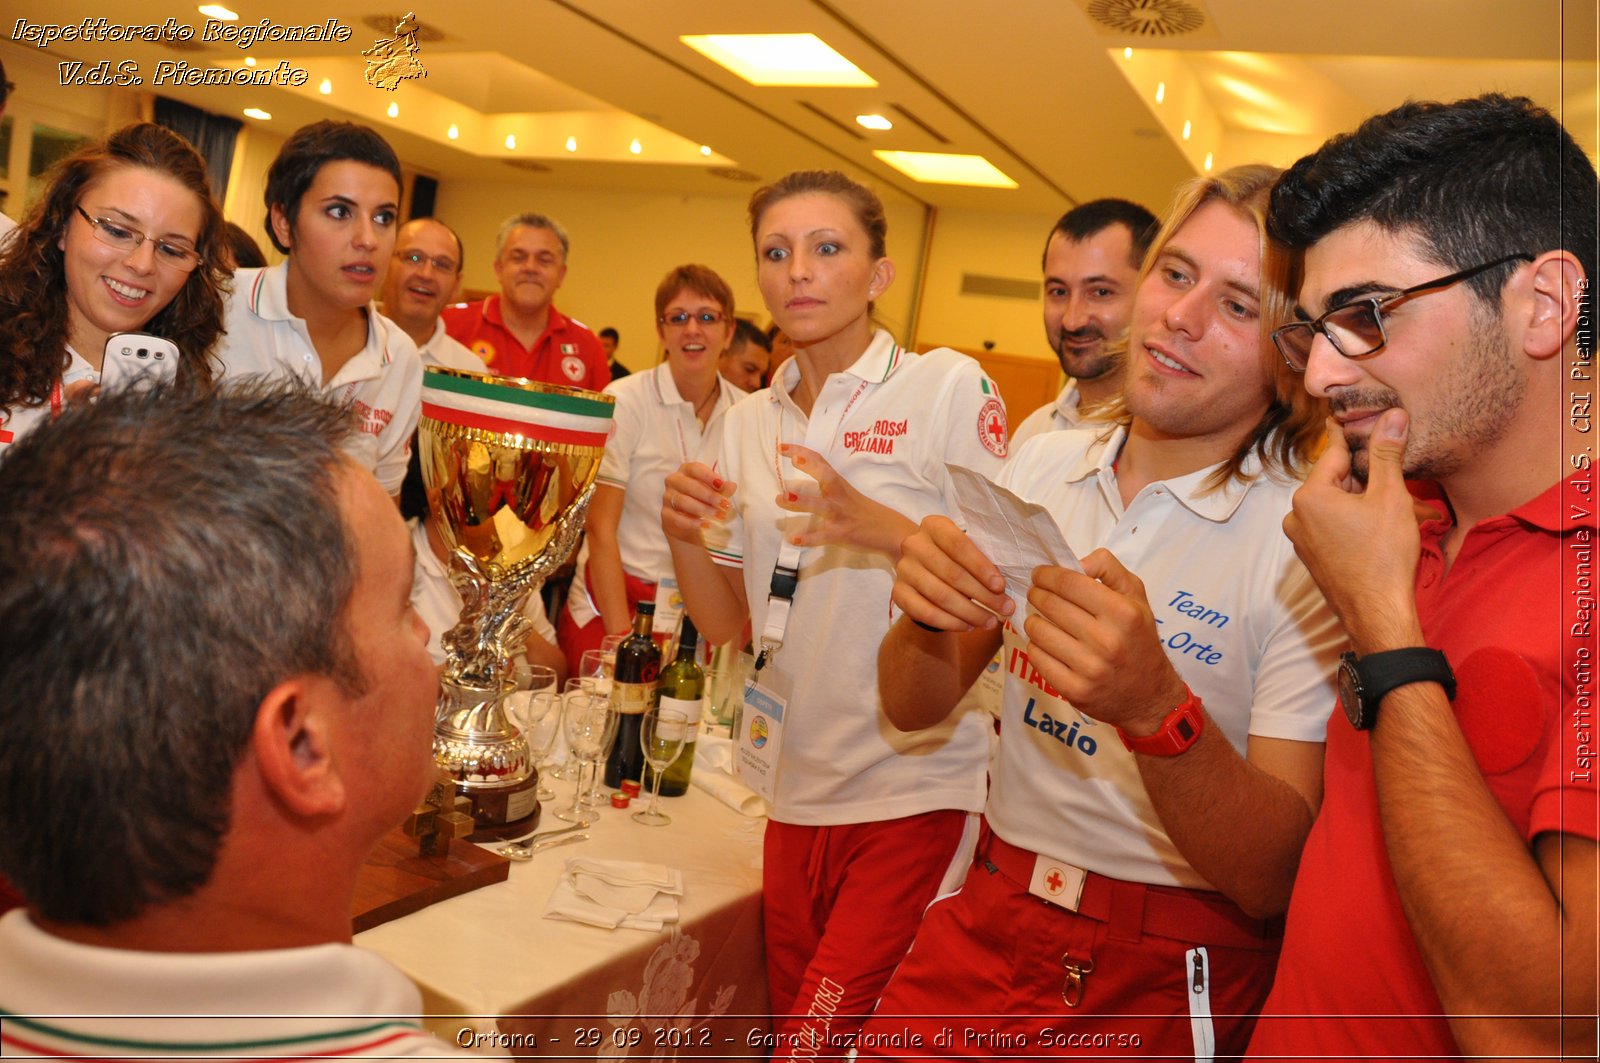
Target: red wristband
(1180,730)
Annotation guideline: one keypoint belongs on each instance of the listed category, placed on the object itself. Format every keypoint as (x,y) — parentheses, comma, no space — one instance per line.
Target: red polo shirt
(565,353)
(1514,615)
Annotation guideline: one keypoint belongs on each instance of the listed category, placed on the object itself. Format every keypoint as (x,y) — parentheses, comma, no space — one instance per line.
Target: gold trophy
(509,466)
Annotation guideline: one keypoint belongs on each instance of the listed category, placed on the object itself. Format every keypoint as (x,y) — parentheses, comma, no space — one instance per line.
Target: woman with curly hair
(126,239)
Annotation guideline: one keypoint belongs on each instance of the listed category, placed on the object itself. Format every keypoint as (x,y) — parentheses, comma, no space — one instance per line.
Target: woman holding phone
(797,527)
(127,238)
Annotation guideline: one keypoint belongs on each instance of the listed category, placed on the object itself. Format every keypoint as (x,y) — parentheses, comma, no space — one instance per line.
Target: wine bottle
(682,687)
(633,690)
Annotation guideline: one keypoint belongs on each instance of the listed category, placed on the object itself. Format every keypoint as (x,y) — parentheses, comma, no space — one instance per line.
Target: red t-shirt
(565,353)
(1514,615)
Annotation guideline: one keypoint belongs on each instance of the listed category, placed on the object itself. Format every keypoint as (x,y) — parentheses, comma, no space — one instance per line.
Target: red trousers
(841,904)
(1153,970)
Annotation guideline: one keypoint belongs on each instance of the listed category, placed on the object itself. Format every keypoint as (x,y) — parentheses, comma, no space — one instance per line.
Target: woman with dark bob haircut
(126,239)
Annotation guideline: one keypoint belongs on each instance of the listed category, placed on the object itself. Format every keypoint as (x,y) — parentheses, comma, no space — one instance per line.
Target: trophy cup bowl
(509,465)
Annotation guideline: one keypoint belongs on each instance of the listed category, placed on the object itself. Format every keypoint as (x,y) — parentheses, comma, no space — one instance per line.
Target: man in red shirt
(1445,904)
(520,332)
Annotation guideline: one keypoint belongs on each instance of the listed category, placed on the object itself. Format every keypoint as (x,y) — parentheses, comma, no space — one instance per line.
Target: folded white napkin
(713,773)
(613,893)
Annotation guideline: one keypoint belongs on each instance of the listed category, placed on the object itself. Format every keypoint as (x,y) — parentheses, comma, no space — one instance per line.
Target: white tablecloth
(487,961)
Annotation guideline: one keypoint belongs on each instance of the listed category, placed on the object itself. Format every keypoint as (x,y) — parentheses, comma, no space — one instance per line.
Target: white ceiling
(1037,86)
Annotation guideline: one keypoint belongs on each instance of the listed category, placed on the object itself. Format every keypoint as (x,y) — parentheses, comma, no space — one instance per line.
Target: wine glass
(586,719)
(538,716)
(590,792)
(662,733)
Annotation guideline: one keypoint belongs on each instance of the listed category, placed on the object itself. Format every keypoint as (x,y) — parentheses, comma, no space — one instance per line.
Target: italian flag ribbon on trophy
(549,416)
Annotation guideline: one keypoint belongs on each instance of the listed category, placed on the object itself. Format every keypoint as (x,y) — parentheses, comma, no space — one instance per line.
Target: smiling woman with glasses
(124,239)
(1355,329)
(664,417)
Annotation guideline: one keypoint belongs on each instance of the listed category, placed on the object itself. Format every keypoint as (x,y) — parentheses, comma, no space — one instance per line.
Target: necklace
(707,401)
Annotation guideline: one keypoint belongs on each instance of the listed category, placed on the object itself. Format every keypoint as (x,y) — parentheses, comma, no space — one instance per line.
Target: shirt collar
(881,360)
(1218,505)
(269,300)
(1562,507)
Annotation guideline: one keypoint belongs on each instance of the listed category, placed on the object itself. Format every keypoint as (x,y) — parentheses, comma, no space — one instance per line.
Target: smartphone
(137,359)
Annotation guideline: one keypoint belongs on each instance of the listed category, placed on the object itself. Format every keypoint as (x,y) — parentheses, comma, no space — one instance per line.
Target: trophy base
(504,811)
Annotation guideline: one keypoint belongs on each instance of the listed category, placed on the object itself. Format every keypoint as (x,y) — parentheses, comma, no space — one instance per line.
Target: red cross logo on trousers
(1053,881)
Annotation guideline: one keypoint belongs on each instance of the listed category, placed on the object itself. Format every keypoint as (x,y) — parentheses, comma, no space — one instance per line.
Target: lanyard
(786,571)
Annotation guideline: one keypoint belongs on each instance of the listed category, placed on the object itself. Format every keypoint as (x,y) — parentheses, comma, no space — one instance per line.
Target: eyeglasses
(707,318)
(113,234)
(417,258)
(1356,329)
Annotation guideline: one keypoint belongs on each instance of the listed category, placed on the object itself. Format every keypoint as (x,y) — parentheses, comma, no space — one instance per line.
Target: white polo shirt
(439,603)
(18,421)
(1239,616)
(888,424)
(1062,413)
(444,350)
(654,430)
(383,382)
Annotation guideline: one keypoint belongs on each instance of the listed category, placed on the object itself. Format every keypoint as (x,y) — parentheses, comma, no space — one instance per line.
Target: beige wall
(1000,245)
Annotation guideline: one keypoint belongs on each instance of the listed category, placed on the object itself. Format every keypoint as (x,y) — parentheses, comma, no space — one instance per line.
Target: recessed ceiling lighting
(635,147)
(780,59)
(873,121)
(453,132)
(219,12)
(326,88)
(394,110)
(257,113)
(511,141)
(1208,162)
(572,143)
(1161,91)
(249,60)
(1188,127)
(1127,53)
(936,168)
(705,149)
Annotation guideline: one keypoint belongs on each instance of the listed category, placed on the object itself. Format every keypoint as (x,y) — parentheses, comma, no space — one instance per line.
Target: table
(497,976)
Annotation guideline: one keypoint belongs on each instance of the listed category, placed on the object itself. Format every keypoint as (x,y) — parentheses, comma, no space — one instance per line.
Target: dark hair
(1290,433)
(307,151)
(702,280)
(863,202)
(1474,180)
(609,333)
(166,558)
(1087,219)
(747,331)
(33,281)
(243,249)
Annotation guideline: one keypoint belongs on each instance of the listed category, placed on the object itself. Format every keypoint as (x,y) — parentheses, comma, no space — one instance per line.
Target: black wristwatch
(1363,681)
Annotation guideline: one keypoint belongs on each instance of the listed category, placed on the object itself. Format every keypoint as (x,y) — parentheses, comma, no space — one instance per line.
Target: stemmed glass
(538,716)
(590,722)
(662,733)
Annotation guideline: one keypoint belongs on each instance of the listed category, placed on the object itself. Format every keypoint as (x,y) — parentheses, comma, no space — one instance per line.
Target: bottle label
(632,698)
(690,708)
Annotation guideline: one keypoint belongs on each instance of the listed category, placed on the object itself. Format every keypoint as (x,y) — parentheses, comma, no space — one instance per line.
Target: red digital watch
(1180,730)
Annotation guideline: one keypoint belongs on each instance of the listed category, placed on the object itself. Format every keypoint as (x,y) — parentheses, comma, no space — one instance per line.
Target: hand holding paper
(1015,535)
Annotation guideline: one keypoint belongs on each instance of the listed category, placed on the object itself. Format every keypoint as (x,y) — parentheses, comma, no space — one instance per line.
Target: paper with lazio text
(1016,535)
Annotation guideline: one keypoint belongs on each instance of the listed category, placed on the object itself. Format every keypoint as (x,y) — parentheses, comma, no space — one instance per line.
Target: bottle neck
(687,645)
(642,623)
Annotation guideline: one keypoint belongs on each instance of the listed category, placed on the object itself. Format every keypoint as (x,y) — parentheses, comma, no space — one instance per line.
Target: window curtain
(212,136)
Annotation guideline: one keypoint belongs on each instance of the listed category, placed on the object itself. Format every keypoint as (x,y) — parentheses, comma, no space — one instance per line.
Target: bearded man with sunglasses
(1446,903)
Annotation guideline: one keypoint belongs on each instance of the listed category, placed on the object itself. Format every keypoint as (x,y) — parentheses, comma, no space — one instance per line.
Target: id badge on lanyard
(758,733)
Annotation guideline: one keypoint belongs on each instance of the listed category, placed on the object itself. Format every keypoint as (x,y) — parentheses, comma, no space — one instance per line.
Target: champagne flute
(585,719)
(662,733)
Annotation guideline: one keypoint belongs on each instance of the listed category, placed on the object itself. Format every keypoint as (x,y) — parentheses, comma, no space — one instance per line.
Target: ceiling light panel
(791,59)
(937,168)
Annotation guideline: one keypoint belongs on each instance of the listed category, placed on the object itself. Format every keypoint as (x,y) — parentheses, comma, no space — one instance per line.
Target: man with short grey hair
(217,699)
(520,332)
